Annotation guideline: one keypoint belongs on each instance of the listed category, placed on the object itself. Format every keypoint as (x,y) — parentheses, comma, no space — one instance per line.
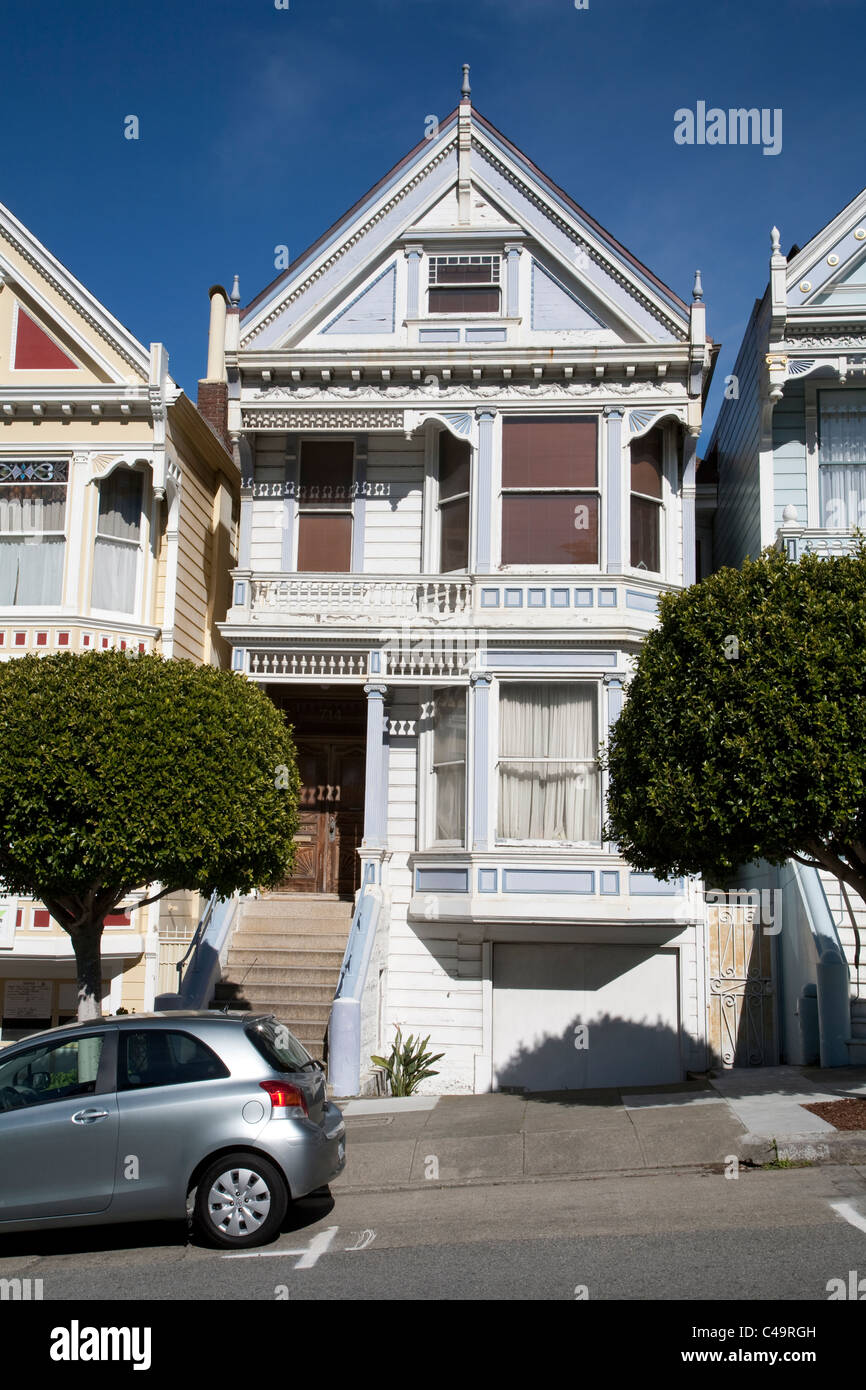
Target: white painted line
(850,1214)
(317,1247)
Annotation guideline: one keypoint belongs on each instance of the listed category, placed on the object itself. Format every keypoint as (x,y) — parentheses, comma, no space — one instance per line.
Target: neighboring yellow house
(118,528)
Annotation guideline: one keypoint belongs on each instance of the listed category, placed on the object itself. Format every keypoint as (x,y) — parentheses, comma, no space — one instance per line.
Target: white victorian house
(466,421)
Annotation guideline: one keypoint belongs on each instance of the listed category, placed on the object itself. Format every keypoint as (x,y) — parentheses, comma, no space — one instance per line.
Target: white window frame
(23,459)
(467,257)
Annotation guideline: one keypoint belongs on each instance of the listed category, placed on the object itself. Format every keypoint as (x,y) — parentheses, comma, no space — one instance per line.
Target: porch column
(484,491)
(480,683)
(616,523)
(690,450)
(375,787)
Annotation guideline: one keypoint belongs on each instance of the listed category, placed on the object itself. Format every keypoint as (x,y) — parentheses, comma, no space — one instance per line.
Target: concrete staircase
(285,959)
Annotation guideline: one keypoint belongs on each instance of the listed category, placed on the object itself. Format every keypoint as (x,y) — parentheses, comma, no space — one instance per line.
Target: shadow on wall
(595,1054)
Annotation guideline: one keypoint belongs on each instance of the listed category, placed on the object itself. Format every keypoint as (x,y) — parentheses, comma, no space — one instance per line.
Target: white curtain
(115,561)
(842,458)
(548,773)
(449,763)
(31,562)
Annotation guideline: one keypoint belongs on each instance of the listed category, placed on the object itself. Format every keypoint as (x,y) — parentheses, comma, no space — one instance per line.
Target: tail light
(285,1097)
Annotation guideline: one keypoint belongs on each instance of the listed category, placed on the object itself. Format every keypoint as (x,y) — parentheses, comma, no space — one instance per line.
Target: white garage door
(620,1001)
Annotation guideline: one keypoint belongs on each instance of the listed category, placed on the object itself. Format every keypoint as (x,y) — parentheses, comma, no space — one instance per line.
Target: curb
(839,1147)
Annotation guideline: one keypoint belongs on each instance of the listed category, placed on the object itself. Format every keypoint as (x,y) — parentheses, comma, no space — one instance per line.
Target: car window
(160,1057)
(280,1048)
(52,1071)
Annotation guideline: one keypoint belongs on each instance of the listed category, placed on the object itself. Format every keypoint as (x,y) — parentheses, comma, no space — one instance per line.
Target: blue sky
(260,126)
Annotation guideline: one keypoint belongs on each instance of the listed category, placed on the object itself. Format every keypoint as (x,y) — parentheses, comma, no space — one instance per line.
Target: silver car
(148,1116)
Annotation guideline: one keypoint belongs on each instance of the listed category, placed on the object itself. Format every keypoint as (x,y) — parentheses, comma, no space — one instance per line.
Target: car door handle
(88,1117)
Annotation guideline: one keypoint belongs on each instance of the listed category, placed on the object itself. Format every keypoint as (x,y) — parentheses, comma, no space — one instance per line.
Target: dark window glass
(453,503)
(325,506)
(463,301)
(549,453)
(453,466)
(324,542)
(157,1057)
(280,1048)
(645,517)
(646,465)
(558,528)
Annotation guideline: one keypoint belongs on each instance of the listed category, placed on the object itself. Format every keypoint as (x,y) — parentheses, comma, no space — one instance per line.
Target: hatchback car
(148,1116)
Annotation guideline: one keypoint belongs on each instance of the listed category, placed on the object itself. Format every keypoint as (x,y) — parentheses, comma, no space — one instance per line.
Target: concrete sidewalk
(755,1114)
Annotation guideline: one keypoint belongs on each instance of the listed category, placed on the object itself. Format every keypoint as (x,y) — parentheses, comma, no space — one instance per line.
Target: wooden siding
(789,453)
(392,532)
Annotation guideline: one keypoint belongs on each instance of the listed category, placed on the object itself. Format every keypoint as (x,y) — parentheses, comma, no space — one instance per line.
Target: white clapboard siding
(393,512)
(842,919)
(266,537)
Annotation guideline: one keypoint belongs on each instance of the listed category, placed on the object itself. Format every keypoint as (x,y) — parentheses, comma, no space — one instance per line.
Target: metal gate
(742,1000)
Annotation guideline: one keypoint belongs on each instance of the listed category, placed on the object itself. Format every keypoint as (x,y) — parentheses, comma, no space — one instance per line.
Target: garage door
(626,997)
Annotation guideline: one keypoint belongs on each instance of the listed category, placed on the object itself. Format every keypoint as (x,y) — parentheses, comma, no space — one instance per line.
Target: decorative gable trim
(368,289)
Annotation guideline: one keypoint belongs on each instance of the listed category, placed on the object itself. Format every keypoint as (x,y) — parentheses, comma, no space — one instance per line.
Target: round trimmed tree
(743,735)
(122,771)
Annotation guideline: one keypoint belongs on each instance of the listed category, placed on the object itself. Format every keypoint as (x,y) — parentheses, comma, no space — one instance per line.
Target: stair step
(291,930)
(253,941)
(308,908)
(294,971)
(290,1012)
(276,988)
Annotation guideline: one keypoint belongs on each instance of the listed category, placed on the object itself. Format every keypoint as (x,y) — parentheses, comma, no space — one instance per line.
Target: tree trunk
(86,943)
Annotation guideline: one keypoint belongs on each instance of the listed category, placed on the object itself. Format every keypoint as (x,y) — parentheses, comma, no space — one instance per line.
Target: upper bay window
(32,531)
(646,501)
(464,285)
(550,497)
(842,457)
(453,503)
(118,542)
(548,768)
(325,506)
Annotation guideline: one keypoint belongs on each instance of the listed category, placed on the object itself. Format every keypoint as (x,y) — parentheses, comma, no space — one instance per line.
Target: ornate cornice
(336,255)
(322,419)
(470,392)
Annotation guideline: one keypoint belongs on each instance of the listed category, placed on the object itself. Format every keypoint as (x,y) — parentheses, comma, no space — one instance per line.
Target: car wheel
(240,1201)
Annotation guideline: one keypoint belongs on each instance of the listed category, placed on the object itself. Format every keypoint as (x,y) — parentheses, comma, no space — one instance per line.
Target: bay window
(550,498)
(842,457)
(118,541)
(32,531)
(325,506)
(449,764)
(646,500)
(548,769)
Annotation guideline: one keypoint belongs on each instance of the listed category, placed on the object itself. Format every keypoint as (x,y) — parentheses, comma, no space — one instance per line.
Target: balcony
(796,541)
(276,603)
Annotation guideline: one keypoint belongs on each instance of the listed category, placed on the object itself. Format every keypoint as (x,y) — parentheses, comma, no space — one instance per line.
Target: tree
(743,735)
(121,771)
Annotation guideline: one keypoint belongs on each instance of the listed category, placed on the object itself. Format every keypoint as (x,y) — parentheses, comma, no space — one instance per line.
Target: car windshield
(280,1048)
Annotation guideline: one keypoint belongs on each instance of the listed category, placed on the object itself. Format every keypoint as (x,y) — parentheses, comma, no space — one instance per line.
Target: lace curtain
(842,458)
(115,561)
(548,774)
(31,561)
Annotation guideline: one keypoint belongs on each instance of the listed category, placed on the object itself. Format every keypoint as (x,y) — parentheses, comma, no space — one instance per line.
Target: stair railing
(196,940)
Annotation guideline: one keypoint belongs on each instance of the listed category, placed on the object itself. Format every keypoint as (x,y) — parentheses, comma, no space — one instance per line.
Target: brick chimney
(213,391)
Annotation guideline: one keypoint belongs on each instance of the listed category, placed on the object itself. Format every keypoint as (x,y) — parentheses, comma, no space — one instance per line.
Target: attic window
(464,285)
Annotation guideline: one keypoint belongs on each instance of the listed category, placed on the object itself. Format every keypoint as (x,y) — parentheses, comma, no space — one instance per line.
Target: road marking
(850,1214)
(317,1247)
(364,1239)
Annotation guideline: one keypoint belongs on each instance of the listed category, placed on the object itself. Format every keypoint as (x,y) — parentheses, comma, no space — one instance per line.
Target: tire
(240,1201)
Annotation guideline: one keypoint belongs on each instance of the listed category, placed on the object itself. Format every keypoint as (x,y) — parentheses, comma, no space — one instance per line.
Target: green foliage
(118,771)
(730,752)
(408,1064)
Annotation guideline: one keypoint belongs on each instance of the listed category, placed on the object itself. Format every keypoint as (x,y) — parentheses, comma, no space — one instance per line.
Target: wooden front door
(330,815)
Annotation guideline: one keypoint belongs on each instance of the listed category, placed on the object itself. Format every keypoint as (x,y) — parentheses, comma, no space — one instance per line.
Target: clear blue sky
(261,126)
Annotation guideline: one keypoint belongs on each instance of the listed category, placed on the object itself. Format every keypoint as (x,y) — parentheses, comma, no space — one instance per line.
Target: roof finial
(466,90)
(235,295)
(775,241)
(698,291)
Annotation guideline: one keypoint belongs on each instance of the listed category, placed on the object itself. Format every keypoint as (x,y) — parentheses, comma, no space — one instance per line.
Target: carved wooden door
(330,816)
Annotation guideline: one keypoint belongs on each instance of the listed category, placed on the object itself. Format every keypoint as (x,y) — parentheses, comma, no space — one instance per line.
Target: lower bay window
(118,542)
(32,531)
(549,787)
(449,765)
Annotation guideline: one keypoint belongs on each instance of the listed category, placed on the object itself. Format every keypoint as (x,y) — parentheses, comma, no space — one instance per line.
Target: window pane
(549,453)
(464,301)
(31,508)
(449,763)
(553,528)
(842,426)
(53,1072)
(31,570)
(843,495)
(454,536)
(463,274)
(115,569)
(280,1048)
(327,468)
(646,464)
(153,1057)
(645,517)
(548,773)
(453,466)
(120,506)
(324,542)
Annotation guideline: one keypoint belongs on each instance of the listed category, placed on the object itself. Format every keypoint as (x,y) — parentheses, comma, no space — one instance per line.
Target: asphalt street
(689,1235)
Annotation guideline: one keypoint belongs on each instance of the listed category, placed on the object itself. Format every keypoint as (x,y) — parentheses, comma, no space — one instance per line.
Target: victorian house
(118,508)
(466,422)
(788,461)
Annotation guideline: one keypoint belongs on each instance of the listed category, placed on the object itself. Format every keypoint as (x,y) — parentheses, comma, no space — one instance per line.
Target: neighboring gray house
(789,455)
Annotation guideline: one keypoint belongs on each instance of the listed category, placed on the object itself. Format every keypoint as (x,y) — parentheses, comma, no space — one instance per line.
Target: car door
(58,1127)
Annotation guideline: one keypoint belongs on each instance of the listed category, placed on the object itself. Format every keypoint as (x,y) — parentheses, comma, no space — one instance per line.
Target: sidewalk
(408,1142)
